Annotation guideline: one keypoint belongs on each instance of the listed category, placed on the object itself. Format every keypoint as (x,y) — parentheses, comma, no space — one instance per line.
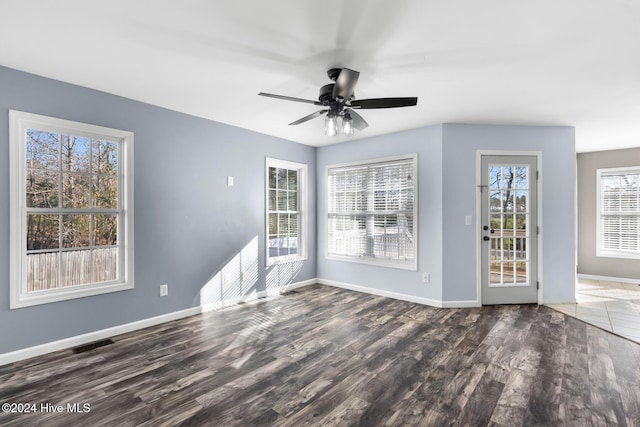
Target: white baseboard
(374,291)
(256,295)
(403,297)
(66,343)
(560,301)
(50,347)
(461,304)
(607,278)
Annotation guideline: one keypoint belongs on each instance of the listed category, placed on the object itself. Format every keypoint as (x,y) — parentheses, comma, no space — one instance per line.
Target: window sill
(45,297)
(618,254)
(285,260)
(377,262)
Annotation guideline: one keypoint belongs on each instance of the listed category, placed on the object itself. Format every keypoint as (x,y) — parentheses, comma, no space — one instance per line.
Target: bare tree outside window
(72,210)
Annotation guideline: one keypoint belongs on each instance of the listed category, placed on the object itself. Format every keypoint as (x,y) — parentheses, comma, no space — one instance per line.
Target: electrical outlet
(425,277)
(164,290)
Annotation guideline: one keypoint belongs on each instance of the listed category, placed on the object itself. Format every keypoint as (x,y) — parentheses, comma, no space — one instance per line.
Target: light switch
(467,220)
(229,181)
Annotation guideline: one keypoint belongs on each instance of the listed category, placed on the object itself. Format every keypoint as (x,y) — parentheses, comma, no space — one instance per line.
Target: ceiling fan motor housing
(326,94)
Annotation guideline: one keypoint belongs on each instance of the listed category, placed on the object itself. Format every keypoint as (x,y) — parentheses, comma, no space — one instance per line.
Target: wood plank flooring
(324,356)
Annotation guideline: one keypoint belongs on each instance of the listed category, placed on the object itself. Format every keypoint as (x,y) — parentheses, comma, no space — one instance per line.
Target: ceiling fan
(339,100)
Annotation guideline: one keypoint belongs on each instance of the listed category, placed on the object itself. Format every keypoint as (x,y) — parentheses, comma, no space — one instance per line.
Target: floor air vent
(289,292)
(91,346)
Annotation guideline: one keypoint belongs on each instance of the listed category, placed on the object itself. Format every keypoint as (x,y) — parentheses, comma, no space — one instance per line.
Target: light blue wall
(447,193)
(558,174)
(188,223)
(427,143)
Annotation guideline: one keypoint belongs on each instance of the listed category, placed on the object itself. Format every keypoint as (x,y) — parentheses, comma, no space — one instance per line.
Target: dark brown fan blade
(345,83)
(309,117)
(358,122)
(383,103)
(290,98)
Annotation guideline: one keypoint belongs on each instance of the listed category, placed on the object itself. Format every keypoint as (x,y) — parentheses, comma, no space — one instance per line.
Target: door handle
(486,238)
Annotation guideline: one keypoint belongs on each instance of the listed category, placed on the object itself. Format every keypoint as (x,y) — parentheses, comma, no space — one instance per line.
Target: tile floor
(613,306)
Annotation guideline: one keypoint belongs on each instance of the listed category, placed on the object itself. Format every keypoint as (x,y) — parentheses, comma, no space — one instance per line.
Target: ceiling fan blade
(383,103)
(290,98)
(358,122)
(309,117)
(345,83)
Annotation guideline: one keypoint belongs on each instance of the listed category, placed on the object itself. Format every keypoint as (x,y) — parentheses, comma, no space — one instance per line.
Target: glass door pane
(509,216)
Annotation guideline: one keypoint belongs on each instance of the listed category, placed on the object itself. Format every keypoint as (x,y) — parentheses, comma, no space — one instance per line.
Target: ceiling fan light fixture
(347,124)
(331,125)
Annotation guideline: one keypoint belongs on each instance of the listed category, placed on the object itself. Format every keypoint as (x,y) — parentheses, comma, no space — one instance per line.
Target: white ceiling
(546,62)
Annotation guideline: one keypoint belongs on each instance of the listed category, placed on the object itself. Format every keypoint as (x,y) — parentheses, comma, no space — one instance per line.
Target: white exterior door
(509,230)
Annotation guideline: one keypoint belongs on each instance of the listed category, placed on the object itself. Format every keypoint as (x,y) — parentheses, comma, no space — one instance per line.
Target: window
(372,212)
(286,216)
(618,222)
(71,209)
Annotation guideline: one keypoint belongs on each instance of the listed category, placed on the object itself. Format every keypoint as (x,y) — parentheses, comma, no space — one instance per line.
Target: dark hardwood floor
(326,356)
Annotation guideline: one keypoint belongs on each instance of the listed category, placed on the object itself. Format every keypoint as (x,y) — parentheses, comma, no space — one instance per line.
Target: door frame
(479,154)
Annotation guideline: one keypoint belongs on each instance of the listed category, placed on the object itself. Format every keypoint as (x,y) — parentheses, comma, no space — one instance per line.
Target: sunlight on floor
(613,306)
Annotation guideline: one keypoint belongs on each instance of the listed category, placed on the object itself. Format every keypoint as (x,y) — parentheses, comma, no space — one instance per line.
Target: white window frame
(601,251)
(412,264)
(302,206)
(19,122)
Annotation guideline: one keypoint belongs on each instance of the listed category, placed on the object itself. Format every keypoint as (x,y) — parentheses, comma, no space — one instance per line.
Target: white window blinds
(371,211)
(619,212)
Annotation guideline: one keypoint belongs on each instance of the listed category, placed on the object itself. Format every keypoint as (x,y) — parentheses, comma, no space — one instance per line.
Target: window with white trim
(372,212)
(618,212)
(286,211)
(71,209)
